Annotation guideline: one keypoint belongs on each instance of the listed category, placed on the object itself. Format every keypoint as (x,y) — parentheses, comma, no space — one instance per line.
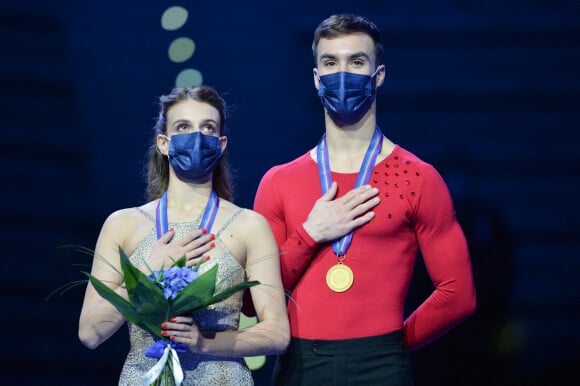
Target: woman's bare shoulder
(248,220)
(128,222)
(135,214)
(127,227)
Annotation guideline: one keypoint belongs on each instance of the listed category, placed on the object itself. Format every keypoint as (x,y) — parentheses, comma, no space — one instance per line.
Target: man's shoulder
(410,158)
(417,167)
(291,168)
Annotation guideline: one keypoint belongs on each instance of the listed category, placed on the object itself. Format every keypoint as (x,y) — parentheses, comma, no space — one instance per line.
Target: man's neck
(347,145)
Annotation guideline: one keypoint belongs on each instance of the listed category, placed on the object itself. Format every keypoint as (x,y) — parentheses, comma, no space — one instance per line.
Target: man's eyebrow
(359,55)
(356,55)
(327,56)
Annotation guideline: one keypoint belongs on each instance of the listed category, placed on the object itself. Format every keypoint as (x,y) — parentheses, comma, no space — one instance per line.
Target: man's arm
(295,246)
(444,249)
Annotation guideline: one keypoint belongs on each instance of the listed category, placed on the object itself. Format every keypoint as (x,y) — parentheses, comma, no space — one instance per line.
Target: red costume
(415,212)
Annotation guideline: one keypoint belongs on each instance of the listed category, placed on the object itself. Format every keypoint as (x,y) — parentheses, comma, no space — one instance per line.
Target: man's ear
(316,79)
(381,74)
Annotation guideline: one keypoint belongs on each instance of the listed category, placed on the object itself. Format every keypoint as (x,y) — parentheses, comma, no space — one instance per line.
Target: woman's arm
(271,334)
(99,319)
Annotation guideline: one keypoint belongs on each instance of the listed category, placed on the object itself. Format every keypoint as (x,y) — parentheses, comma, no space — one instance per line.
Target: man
(349,217)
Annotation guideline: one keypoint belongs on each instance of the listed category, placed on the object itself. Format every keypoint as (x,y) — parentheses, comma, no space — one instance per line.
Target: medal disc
(339,277)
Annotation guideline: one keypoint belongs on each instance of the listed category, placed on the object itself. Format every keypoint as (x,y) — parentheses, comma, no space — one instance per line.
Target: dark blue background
(488,92)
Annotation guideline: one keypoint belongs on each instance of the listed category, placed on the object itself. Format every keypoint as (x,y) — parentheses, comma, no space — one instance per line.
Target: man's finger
(330,193)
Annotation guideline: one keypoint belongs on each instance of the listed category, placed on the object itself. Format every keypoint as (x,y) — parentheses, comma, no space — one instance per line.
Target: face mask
(194,155)
(347,96)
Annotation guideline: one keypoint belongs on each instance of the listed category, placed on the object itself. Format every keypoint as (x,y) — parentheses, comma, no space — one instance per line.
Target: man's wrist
(310,234)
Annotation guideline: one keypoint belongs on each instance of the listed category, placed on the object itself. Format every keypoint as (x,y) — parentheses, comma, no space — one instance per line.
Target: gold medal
(339,277)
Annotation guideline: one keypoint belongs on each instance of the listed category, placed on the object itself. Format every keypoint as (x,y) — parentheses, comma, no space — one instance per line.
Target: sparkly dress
(199,369)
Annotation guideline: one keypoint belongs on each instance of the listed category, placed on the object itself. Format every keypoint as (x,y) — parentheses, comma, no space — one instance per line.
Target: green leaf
(223,295)
(195,294)
(146,297)
(146,300)
(180,262)
(147,306)
(130,272)
(124,307)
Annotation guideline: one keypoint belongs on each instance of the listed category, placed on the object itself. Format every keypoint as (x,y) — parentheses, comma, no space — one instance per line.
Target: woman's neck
(187,197)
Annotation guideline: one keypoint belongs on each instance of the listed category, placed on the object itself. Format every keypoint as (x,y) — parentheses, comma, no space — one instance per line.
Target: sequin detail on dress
(199,369)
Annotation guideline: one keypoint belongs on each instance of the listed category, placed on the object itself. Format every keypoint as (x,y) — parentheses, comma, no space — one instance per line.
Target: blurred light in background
(182,48)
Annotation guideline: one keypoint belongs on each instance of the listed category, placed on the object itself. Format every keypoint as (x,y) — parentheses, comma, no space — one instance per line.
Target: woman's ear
(162,144)
(223,142)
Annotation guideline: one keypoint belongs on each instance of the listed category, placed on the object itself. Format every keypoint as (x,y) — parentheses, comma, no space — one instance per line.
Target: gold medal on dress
(339,277)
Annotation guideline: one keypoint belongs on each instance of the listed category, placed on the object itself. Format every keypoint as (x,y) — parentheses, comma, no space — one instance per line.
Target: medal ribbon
(341,244)
(162,225)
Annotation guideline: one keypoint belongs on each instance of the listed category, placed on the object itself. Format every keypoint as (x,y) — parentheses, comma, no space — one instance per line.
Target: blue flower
(173,280)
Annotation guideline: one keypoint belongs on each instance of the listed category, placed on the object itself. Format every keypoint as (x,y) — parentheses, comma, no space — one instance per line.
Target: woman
(187,164)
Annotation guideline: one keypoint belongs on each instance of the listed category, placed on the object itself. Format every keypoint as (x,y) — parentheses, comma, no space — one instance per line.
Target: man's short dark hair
(344,24)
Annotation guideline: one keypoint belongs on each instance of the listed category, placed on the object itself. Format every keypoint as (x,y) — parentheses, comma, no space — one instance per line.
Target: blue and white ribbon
(341,244)
(209,214)
(154,372)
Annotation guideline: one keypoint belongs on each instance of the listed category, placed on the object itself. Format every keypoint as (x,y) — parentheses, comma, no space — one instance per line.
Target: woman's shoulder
(247,217)
(128,216)
(127,227)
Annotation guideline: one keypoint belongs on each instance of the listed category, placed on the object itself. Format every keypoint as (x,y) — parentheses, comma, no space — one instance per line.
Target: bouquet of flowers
(154,299)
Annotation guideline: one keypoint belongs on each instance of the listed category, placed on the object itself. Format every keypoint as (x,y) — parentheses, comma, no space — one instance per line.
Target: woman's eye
(208,129)
(182,128)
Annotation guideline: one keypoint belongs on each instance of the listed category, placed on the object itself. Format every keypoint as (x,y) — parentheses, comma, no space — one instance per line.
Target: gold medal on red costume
(340,277)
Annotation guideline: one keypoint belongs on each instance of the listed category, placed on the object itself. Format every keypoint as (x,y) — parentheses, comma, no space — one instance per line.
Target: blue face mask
(194,155)
(347,96)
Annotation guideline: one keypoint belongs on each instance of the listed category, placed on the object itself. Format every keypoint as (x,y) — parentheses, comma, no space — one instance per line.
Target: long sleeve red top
(415,212)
